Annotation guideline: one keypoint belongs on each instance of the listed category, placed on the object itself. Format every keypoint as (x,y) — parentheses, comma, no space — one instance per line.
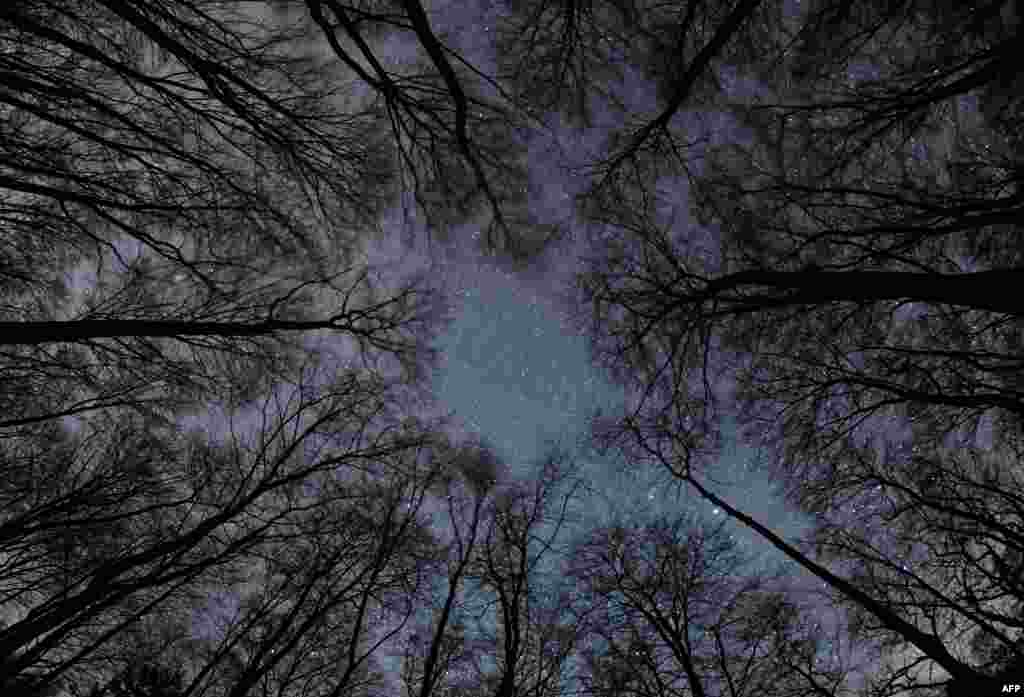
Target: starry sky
(514,370)
(515,373)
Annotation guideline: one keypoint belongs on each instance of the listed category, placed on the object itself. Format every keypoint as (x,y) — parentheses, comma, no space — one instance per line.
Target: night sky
(514,369)
(517,374)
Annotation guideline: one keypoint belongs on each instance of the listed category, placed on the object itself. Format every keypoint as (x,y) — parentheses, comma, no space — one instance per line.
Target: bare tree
(186,193)
(325,598)
(851,311)
(131,526)
(681,611)
(436,651)
(453,124)
(528,630)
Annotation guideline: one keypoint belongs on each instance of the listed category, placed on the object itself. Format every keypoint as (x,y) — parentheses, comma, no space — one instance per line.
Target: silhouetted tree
(528,629)
(454,127)
(185,200)
(679,610)
(851,307)
(114,528)
(436,648)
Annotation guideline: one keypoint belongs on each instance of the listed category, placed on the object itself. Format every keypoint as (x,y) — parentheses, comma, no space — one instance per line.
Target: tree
(186,196)
(457,150)
(211,172)
(128,531)
(186,189)
(498,621)
(437,646)
(525,622)
(850,309)
(679,610)
(328,597)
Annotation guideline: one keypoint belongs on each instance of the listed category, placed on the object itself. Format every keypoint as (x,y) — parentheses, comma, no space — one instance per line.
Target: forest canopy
(222,469)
